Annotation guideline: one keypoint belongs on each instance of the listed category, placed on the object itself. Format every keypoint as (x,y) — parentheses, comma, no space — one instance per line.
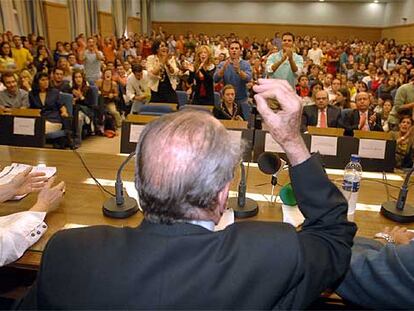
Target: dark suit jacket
(250,265)
(310,116)
(350,122)
(51,107)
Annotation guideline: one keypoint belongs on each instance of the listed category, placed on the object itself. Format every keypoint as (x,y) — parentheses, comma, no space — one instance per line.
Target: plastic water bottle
(351,184)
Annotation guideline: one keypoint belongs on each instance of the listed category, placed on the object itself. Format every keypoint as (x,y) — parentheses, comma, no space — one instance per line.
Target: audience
(12,96)
(228,109)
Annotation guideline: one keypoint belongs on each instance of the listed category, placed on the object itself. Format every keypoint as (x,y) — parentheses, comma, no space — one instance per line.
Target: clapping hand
(27,182)
(283,125)
(49,197)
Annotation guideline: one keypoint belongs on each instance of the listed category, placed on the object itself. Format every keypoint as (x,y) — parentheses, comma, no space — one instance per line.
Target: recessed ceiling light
(321,0)
(376,1)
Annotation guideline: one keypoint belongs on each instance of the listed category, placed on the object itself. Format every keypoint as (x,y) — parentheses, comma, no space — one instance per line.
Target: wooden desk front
(83,199)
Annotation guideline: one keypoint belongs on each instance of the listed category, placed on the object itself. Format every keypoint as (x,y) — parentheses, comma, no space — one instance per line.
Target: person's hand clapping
(49,197)
(284,124)
(27,182)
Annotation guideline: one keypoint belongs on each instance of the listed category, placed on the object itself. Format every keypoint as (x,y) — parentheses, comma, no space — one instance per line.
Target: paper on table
(324,144)
(24,126)
(235,135)
(135,131)
(271,145)
(372,148)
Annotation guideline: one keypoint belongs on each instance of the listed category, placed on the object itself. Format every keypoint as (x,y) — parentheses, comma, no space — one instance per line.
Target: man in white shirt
(137,89)
(21,230)
(315,54)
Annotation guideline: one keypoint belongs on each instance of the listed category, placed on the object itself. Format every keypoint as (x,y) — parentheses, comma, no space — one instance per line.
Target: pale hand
(49,197)
(27,182)
(284,124)
(400,234)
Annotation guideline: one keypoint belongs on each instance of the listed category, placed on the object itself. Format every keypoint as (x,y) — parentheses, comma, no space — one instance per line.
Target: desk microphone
(120,206)
(270,163)
(242,206)
(399,211)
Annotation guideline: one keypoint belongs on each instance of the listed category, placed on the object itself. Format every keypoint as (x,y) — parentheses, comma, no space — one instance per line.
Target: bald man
(361,118)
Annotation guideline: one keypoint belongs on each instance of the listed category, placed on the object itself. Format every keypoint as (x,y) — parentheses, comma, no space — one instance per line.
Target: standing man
(236,72)
(91,58)
(315,53)
(361,118)
(21,55)
(321,114)
(184,167)
(403,103)
(285,64)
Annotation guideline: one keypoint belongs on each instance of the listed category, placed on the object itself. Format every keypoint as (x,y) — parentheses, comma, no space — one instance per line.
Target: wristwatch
(385,236)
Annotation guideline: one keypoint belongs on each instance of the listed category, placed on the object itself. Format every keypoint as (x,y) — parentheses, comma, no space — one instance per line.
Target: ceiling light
(376,1)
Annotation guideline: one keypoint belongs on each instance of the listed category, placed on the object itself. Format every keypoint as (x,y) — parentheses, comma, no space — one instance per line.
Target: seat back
(154,109)
(67,100)
(217,99)
(182,98)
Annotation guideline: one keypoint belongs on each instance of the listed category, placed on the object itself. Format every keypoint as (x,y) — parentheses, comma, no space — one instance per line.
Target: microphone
(242,206)
(270,163)
(400,211)
(120,206)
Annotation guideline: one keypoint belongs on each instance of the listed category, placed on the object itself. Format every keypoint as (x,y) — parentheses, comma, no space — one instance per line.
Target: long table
(83,200)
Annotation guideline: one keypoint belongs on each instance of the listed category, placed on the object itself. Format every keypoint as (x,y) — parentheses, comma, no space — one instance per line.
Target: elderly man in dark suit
(174,259)
(321,114)
(361,118)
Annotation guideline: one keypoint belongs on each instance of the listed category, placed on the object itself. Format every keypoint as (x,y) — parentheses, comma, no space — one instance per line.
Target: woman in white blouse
(162,73)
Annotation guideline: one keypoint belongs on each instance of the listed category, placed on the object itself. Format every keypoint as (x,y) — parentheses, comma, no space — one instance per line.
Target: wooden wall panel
(105,23)
(267,30)
(134,24)
(401,34)
(57,23)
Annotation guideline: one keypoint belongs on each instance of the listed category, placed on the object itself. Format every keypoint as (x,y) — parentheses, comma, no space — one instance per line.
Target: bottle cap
(287,196)
(355,158)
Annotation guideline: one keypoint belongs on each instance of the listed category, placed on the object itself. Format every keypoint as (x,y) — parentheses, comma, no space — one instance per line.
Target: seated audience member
(403,102)
(315,88)
(202,73)
(184,166)
(321,114)
(333,90)
(12,96)
(361,118)
(59,51)
(137,89)
(48,100)
(25,80)
(7,62)
(83,105)
(302,89)
(21,230)
(385,113)
(108,91)
(404,138)
(73,63)
(228,109)
(43,61)
(285,64)
(342,99)
(381,274)
(57,81)
(162,73)
(63,64)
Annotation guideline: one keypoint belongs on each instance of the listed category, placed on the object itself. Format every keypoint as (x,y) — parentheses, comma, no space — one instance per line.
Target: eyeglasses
(321,98)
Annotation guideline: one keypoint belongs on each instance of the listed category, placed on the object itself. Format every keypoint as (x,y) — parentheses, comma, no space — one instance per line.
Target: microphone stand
(400,211)
(242,206)
(120,206)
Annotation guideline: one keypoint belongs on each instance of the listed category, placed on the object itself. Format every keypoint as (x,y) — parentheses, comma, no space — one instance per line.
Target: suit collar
(176,229)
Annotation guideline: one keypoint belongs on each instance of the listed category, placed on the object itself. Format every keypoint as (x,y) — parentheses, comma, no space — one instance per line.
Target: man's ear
(222,198)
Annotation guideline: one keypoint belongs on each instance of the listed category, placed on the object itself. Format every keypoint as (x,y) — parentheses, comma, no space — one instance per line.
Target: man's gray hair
(183,161)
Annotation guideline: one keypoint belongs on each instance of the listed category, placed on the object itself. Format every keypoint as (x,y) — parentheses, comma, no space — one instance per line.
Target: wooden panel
(105,23)
(267,30)
(401,34)
(134,24)
(57,23)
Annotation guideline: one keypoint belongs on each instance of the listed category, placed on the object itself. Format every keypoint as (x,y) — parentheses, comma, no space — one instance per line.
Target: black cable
(91,175)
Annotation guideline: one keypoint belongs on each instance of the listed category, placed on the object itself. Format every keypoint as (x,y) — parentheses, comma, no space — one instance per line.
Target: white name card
(24,126)
(372,148)
(326,145)
(271,145)
(134,132)
(235,135)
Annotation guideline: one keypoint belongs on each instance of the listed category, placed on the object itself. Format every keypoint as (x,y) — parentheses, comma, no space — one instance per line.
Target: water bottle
(351,184)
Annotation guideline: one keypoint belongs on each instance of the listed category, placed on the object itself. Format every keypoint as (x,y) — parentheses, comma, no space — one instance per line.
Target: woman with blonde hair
(201,74)
(25,80)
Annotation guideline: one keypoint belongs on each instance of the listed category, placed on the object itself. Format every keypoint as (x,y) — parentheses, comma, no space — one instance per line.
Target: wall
(302,13)
(134,24)
(267,30)
(401,34)
(105,23)
(57,21)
